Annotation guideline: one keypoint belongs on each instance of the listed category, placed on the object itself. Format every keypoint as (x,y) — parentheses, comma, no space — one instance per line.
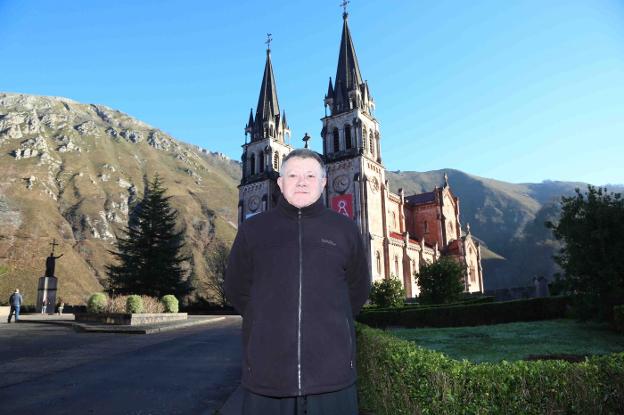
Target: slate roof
(421,198)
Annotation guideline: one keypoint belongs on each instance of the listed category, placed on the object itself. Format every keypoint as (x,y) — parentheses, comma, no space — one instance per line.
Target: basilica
(401,232)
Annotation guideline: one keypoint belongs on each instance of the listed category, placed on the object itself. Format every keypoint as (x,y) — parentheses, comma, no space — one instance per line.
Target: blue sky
(520,91)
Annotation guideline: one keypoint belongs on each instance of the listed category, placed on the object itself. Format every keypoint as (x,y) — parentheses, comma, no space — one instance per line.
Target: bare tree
(217,264)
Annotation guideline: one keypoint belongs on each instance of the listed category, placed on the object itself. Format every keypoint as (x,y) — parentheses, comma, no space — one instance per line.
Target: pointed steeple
(267,120)
(250,123)
(268,107)
(349,88)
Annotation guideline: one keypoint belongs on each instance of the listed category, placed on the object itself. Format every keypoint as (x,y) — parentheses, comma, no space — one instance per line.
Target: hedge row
(475,300)
(468,314)
(397,377)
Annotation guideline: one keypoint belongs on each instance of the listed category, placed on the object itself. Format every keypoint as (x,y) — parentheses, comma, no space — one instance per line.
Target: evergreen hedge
(468,314)
(397,377)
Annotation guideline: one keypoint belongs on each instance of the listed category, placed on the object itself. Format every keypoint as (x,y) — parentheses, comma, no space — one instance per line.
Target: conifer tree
(149,253)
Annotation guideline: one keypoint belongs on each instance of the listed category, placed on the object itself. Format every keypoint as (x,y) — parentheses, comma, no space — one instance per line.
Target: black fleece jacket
(298,277)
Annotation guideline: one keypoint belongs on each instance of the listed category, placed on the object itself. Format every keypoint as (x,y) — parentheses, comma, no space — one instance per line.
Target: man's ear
(279,183)
(324,181)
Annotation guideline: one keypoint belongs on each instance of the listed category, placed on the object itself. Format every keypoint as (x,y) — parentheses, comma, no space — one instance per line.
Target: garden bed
(130,319)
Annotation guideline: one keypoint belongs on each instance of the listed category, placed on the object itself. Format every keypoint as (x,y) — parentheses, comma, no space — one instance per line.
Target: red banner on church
(343,204)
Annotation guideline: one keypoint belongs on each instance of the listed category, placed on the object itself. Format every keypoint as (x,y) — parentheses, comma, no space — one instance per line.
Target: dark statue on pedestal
(50,264)
(48,284)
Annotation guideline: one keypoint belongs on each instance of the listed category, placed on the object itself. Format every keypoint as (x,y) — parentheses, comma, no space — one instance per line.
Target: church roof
(421,198)
(268,107)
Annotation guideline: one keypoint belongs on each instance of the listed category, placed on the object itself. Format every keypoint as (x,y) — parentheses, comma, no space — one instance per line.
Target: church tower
(356,185)
(263,154)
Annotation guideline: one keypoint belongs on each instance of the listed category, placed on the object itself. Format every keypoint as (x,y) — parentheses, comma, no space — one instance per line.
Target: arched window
(378,257)
(336,140)
(275,161)
(261,162)
(252,164)
(426,227)
(372,144)
(348,143)
(473,274)
(396,265)
(394,224)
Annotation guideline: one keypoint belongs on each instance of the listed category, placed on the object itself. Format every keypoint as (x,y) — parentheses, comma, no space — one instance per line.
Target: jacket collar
(291,211)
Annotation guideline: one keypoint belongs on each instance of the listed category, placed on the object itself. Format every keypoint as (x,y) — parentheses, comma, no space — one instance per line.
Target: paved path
(51,369)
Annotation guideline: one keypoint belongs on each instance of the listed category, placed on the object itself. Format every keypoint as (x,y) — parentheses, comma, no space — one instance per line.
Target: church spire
(348,88)
(267,121)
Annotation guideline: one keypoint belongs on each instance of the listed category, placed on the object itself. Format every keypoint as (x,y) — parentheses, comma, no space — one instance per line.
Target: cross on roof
(344,6)
(305,139)
(268,41)
(54,244)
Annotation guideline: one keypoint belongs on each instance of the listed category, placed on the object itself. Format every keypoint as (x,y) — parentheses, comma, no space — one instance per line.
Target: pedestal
(47,289)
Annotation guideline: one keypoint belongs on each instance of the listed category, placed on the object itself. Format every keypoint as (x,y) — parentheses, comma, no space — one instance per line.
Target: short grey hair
(303,153)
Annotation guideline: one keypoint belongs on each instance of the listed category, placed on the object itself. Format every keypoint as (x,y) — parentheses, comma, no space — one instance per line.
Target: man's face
(303,181)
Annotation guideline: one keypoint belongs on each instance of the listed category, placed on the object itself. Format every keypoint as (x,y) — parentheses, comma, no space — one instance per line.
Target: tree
(149,253)
(591,226)
(388,292)
(217,264)
(441,281)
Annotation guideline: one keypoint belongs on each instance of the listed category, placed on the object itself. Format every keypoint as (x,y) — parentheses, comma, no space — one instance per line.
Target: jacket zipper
(299,310)
(350,343)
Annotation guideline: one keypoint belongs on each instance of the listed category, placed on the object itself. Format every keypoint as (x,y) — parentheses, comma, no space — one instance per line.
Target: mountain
(73,172)
(509,219)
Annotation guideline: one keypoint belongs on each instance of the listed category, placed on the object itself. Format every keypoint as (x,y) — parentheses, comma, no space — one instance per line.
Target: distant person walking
(15,301)
(44,305)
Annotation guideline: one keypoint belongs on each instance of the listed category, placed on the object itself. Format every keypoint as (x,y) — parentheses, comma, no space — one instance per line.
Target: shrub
(171,303)
(441,281)
(152,305)
(388,292)
(469,314)
(97,303)
(618,318)
(397,377)
(134,304)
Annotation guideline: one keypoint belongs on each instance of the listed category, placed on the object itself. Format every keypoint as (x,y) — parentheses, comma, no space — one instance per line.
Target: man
(298,275)
(15,301)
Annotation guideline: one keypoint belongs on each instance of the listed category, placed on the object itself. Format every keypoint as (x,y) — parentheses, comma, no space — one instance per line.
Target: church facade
(401,232)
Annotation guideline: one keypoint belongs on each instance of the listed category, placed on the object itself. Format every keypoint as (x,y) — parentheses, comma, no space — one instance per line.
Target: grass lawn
(517,341)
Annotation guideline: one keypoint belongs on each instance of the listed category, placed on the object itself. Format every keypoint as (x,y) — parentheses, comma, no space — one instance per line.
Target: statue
(51,261)
(50,264)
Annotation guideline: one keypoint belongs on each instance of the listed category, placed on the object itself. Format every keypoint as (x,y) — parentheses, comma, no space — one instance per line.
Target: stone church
(401,232)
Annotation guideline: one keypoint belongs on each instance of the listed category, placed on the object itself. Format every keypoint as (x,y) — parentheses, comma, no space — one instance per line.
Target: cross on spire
(268,41)
(54,244)
(344,5)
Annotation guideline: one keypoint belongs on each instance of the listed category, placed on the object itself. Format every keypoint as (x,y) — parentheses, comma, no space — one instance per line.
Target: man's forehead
(298,163)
